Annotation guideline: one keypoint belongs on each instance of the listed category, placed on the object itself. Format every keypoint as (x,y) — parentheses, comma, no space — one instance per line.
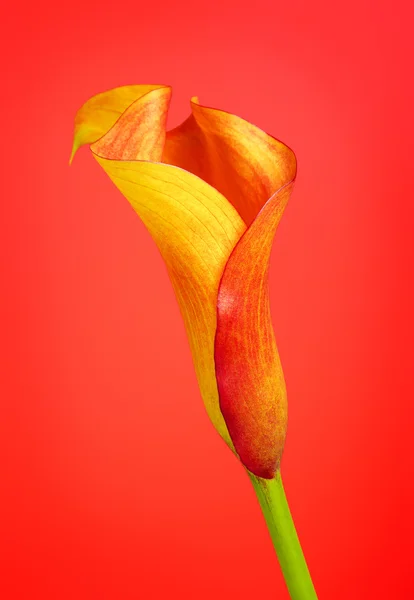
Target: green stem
(272,499)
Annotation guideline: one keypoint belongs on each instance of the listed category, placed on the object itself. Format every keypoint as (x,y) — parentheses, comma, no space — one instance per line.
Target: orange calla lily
(211,193)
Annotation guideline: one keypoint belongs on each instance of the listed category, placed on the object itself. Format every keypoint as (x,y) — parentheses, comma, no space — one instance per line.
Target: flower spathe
(211,193)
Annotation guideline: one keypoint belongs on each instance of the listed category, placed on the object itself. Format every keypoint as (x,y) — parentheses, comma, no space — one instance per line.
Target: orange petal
(237,158)
(100,113)
(249,374)
(193,225)
(247,166)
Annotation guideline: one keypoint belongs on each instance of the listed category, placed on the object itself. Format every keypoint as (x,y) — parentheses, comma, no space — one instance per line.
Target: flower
(211,193)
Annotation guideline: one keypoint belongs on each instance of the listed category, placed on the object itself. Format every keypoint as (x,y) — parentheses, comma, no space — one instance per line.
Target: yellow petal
(193,225)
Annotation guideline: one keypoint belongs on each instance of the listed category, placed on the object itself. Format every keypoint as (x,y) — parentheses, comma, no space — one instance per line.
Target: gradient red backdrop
(114,483)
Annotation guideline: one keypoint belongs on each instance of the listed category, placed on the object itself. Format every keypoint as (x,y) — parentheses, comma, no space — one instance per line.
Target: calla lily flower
(211,193)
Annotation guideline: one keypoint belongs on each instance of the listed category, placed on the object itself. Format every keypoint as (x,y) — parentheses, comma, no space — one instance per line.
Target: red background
(114,484)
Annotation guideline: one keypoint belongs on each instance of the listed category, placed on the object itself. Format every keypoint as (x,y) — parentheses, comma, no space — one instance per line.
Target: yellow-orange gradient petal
(248,166)
(98,115)
(237,158)
(211,193)
(249,374)
(193,225)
